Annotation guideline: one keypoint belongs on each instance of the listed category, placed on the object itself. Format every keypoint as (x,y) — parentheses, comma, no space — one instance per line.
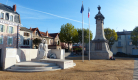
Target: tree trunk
(68,46)
(72,47)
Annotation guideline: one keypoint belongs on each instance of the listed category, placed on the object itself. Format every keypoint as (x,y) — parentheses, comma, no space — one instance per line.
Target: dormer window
(2,16)
(6,16)
(11,18)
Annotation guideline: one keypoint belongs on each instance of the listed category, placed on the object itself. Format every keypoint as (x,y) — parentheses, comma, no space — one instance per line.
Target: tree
(86,35)
(75,37)
(111,36)
(134,36)
(37,41)
(67,33)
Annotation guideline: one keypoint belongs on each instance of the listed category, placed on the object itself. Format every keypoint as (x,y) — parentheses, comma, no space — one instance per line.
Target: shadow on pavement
(86,58)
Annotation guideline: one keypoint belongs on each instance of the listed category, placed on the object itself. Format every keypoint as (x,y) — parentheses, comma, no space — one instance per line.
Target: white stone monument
(100,48)
(42,50)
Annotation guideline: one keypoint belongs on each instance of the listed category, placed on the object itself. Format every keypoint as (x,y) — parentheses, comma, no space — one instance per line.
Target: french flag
(88,12)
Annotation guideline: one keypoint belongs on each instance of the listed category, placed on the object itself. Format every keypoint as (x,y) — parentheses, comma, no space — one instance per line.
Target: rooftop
(124,33)
(7,8)
(25,29)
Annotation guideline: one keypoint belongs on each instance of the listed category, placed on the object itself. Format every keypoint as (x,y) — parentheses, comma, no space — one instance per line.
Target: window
(25,42)
(10,40)
(6,16)
(129,37)
(16,19)
(11,18)
(119,43)
(1,40)
(1,28)
(119,37)
(26,34)
(2,16)
(10,29)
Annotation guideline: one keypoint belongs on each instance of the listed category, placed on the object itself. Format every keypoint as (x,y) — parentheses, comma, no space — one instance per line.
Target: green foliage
(86,35)
(68,33)
(77,49)
(37,41)
(134,36)
(75,37)
(110,35)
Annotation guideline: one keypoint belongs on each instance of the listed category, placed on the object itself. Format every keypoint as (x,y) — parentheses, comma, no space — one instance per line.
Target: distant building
(52,39)
(25,38)
(124,44)
(36,34)
(9,26)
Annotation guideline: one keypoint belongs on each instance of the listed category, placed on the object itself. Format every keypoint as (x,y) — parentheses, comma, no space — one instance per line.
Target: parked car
(121,54)
(77,49)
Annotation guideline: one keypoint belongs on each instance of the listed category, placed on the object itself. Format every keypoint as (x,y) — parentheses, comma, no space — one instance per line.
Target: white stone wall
(26,55)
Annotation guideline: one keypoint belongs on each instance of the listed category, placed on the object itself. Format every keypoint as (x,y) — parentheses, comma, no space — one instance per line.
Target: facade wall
(5,21)
(5,36)
(125,47)
(49,41)
(22,37)
(56,40)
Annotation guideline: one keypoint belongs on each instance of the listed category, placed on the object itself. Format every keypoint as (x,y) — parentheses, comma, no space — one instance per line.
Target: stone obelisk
(100,48)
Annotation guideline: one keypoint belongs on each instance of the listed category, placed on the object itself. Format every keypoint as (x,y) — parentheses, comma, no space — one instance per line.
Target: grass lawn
(119,69)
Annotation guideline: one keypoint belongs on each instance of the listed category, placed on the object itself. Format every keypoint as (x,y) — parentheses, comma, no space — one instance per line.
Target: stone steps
(33,70)
(34,67)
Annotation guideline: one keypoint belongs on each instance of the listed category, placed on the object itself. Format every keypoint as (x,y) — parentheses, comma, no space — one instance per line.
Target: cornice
(10,23)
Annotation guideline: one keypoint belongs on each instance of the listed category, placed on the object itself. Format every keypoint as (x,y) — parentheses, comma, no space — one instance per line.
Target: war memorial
(44,59)
(100,48)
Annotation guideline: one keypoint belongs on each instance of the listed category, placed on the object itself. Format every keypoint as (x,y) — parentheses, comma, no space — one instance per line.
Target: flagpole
(82,38)
(89,38)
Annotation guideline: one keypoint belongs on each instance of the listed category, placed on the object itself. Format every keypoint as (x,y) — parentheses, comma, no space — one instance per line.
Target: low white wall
(10,58)
(26,55)
(60,53)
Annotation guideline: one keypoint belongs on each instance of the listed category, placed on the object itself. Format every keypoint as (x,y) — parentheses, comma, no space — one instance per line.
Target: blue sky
(51,14)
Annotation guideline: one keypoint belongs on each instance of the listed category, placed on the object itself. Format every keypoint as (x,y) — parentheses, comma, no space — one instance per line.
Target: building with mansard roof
(9,28)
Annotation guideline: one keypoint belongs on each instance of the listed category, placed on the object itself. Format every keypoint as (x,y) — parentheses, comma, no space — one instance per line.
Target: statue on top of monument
(43,49)
(99,7)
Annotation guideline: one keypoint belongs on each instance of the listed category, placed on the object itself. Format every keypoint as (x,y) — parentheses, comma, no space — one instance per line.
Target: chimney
(14,8)
(47,33)
(30,28)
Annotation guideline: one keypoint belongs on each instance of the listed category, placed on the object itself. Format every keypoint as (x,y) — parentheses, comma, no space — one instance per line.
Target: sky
(50,15)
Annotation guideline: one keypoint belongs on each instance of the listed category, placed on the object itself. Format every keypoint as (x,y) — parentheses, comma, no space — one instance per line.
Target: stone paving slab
(135,73)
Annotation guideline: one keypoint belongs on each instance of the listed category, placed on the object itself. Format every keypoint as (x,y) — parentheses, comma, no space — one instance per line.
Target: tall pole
(82,38)
(89,39)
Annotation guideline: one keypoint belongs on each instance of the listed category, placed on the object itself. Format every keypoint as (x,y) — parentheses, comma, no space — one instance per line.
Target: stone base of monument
(34,67)
(42,65)
(62,63)
(100,54)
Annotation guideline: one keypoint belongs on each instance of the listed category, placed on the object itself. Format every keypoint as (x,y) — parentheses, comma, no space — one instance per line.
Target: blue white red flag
(88,12)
